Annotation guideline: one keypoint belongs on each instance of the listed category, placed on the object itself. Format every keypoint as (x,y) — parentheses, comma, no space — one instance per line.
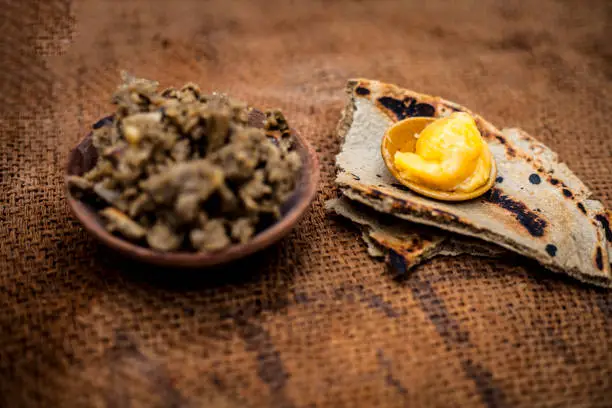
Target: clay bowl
(83,158)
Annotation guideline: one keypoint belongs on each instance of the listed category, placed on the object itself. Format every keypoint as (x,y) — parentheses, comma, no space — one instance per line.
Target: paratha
(537,207)
(404,244)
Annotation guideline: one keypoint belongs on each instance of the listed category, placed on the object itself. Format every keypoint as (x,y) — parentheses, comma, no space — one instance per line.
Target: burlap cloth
(313,321)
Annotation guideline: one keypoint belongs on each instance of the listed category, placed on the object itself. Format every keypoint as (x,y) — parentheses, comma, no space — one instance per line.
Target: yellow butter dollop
(450,155)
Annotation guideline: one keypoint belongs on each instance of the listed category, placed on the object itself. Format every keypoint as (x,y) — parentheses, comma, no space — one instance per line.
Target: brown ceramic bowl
(83,158)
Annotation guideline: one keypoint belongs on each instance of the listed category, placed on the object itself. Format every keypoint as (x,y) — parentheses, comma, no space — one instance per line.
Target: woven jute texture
(313,321)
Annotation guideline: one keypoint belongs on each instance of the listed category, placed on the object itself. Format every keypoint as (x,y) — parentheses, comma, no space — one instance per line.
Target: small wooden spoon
(400,137)
(84,156)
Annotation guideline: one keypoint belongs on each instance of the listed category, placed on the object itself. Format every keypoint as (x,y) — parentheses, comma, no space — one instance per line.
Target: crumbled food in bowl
(180,170)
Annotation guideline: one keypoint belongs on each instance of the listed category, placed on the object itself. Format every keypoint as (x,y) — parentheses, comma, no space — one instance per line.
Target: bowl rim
(309,172)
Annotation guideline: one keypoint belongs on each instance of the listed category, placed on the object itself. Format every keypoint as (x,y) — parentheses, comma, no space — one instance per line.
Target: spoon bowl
(84,157)
(401,137)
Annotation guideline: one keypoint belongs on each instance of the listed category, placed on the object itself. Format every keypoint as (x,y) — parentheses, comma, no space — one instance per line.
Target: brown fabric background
(313,321)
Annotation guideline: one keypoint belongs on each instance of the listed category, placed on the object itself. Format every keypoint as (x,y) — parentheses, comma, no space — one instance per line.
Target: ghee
(444,158)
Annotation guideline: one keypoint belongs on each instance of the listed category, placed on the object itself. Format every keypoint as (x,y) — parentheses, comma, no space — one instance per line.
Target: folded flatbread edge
(406,245)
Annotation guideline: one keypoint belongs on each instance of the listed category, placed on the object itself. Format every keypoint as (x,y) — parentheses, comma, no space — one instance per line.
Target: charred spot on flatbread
(551,249)
(360,90)
(534,178)
(533,223)
(400,109)
(510,152)
(605,223)
(397,265)
(599,258)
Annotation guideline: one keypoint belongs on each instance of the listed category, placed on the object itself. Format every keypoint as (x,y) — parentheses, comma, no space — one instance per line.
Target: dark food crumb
(180,170)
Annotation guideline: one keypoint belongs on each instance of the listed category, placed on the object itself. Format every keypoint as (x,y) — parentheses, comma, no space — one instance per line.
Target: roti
(537,207)
(404,244)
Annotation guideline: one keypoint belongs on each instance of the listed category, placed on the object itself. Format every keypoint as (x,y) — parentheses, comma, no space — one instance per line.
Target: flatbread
(537,208)
(405,244)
